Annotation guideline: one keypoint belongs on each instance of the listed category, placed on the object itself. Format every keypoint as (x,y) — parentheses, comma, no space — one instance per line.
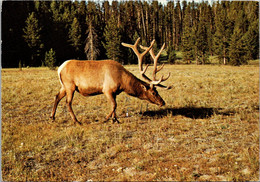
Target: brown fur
(101,77)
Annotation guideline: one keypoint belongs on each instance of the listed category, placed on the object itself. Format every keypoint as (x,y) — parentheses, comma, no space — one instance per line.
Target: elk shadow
(190,112)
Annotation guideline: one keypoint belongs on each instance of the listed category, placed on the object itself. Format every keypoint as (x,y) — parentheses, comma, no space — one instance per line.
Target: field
(208,130)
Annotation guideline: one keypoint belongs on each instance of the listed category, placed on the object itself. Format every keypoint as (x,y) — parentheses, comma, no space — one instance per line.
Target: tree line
(35,32)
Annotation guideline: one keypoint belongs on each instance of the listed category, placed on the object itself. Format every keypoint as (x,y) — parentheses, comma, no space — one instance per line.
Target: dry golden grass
(208,130)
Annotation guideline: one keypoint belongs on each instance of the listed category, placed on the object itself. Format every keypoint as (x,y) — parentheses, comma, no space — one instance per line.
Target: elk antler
(140,57)
(156,70)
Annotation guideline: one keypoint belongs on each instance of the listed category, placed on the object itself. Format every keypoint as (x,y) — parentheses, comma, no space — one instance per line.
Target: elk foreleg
(58,97)
(70,95)
(112,99)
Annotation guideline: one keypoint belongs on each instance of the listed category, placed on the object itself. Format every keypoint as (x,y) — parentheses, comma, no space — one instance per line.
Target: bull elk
(108,77)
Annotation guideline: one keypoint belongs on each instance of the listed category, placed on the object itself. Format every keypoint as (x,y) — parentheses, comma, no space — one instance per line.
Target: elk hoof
(52,118)
(78,123)
(115,120)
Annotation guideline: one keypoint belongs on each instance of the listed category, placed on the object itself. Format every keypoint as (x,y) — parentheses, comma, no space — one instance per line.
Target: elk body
(107,77)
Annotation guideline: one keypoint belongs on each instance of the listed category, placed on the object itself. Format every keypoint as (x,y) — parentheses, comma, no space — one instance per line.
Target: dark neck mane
(133,85)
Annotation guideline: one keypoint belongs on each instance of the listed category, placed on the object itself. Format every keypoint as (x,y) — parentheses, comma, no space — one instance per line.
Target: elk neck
(133,85)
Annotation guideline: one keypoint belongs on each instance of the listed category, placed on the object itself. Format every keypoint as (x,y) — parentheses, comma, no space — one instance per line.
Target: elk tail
(60,69)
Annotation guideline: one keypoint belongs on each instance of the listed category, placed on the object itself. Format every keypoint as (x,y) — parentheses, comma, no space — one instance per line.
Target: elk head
(149,91)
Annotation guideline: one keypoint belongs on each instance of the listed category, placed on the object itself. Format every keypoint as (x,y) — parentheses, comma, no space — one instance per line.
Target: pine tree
(75,34)
(147,20)
(237,51)
(171,54)
(129,20)
(32,31)
(250,41)
(154,16)
(113,40)
(211,30)
(223,33)
(50,59)
(168,21)
(91,47)
(201,43)
(186,39)
(202,36)
(32,37)
(161,27)
(251,37)
(106,11)
(92,41)
(177,26)
(55,11)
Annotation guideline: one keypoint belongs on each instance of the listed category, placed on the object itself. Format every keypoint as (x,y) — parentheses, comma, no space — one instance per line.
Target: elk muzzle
(162,103)
(156,99)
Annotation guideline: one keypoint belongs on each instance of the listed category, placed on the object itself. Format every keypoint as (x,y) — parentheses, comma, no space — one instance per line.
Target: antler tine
(137,41)
(168,76)
(134,47)
(156,70)
(159,53)
(155,58)
(155,62)
(140,62)
(149,48)
(140,56)
(151,51)
(155,82)
(161,67)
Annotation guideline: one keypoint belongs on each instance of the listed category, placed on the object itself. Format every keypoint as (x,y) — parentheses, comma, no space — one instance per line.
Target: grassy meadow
(208,130)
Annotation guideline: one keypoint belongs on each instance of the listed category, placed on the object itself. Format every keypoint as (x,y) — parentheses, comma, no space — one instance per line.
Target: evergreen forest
(44,33)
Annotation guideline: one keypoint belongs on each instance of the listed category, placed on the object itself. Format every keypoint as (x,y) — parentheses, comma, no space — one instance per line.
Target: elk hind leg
(58,97)
(70,95)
